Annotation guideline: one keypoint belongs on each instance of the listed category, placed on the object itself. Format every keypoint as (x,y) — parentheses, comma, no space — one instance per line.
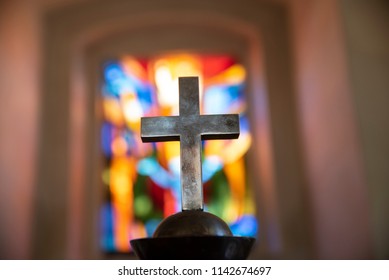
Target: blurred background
(308,177)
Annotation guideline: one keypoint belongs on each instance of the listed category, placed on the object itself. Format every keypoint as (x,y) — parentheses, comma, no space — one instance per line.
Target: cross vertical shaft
(190,145)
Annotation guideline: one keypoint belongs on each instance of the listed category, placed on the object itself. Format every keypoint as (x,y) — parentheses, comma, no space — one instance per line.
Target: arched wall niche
(80,37)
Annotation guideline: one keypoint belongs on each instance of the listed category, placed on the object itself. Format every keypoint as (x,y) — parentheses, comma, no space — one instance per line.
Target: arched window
(141,181)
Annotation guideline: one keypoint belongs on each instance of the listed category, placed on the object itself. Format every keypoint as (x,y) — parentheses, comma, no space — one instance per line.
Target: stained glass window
(141,181)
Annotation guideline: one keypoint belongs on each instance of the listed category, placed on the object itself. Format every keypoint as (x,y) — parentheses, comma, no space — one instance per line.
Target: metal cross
(190,128)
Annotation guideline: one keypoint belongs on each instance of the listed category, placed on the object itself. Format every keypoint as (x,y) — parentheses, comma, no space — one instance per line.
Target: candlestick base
(193,235)
(193,248)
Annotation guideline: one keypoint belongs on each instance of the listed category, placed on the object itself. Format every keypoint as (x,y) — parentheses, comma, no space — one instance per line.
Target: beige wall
(367,39)
(337,192)
(19,111)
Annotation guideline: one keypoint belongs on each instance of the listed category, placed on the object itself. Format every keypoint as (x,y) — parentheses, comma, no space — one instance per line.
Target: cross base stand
(193,234)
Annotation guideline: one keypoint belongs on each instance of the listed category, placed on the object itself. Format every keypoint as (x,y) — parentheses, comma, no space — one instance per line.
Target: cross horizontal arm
(219,126)
(160,129)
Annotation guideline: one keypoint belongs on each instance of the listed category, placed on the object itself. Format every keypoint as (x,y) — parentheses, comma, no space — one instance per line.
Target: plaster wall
(367,42)
(20,54)
(338,192)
